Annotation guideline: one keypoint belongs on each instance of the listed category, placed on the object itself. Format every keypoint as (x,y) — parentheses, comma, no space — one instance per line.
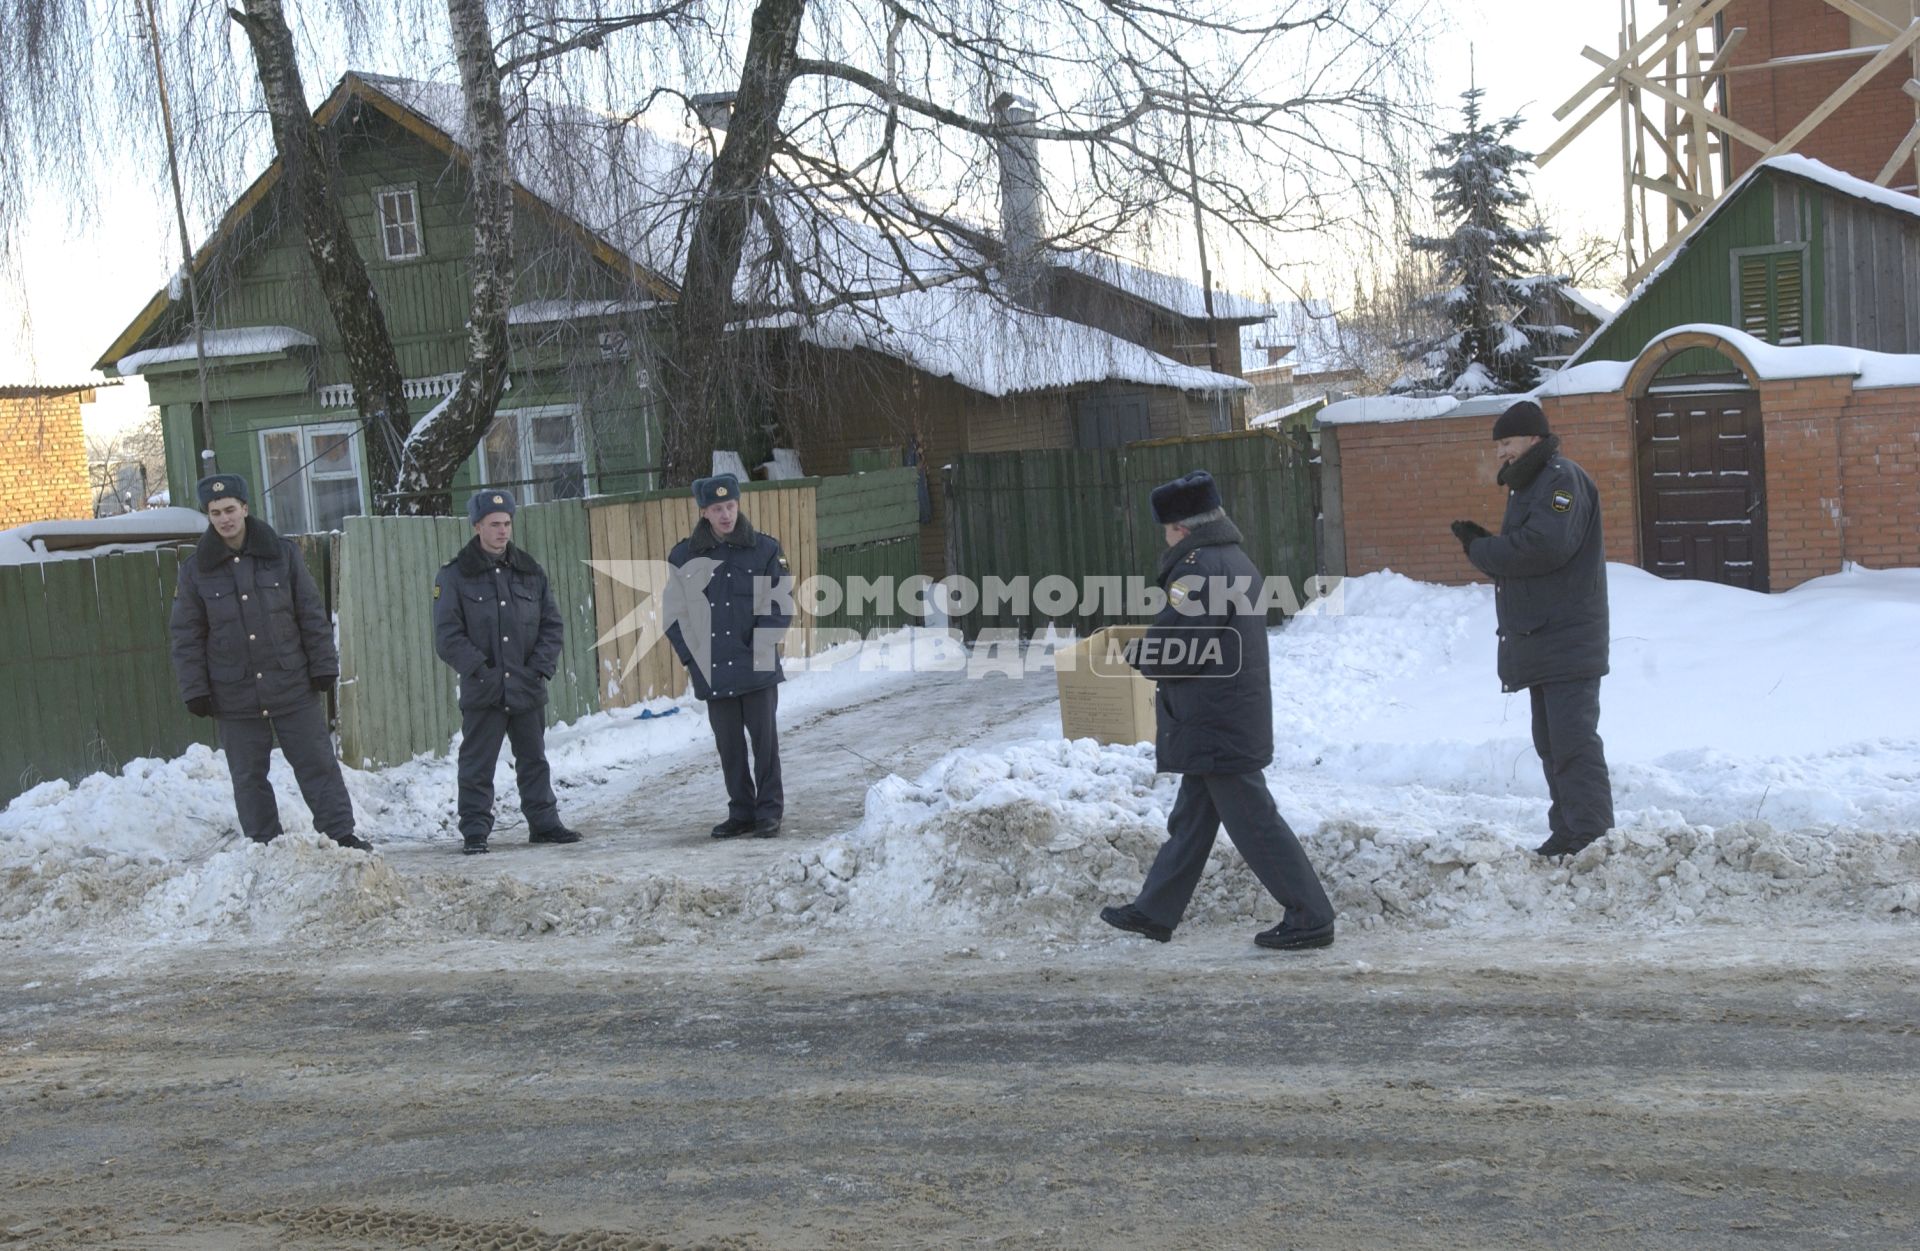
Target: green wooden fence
(397,699)
(869,526)
(84,674)
(88,686)
(1086,514)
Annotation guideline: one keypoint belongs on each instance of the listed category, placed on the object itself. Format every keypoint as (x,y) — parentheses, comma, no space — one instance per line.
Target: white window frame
(523,433)
(407,194)
(307,433)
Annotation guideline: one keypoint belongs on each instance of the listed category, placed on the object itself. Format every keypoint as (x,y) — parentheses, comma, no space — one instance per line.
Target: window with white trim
(399,215)
(536,453)
(310,477)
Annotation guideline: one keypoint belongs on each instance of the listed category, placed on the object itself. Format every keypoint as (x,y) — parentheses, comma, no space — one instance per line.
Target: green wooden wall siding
(1086,514)
(84,667)
(869,527)
(861,508)
(1698,285)
(894,560)
(397,699)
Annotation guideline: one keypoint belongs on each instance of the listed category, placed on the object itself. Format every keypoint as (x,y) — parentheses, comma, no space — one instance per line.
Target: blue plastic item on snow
(648,714)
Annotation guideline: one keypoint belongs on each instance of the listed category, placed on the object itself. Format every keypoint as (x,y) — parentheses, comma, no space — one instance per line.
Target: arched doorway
(1700,461)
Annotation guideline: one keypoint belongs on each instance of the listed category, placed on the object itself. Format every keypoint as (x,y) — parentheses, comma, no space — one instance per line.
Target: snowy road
(1398,1093)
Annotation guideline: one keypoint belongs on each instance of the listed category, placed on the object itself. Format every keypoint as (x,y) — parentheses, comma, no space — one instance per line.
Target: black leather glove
(323,684)
(201,705)
(1467,532)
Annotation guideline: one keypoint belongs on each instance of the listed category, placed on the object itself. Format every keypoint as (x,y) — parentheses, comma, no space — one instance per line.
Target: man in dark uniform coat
(1549,570)
(253,649)
(729,602)
(1214,725)
(495,623)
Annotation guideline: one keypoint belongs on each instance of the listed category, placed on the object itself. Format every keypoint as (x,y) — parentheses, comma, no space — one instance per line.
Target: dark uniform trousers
(1262,836)
(1566,733)
(753,791)
(481,731)
(308,747)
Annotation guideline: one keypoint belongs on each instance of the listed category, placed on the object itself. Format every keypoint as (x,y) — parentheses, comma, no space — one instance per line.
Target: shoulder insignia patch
(436,590)
(1177,594)
(1562,500)
(784,566)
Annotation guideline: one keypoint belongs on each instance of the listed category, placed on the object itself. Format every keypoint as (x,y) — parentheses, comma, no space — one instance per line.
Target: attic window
(399,209)
(1769,293)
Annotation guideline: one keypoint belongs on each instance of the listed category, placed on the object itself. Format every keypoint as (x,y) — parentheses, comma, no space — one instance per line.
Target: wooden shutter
(1789,303)
(1752,295)
(1771,301)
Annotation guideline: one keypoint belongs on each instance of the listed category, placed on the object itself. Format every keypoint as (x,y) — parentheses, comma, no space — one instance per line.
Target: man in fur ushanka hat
(1213,709)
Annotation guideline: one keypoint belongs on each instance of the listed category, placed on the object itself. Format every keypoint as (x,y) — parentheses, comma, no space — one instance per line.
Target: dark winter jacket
(1214,704)
(249,628)
(495,623)
(743,582)
(1549,567)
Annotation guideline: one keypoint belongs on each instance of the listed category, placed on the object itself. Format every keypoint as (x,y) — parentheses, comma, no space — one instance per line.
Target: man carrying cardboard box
(1214,726)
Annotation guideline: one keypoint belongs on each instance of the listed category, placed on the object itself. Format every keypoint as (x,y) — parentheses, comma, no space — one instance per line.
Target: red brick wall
(1861,135)
(1403,483)
(43,459)
(1842,466)
(1843,477)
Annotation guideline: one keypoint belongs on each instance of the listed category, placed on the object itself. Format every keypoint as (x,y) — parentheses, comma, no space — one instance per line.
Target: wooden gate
(1702,468)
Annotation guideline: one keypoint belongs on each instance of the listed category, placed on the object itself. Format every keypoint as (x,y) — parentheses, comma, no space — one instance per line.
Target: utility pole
(209,464)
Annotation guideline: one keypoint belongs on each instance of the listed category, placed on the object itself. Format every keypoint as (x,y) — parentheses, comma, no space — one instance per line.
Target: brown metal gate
(1703,503)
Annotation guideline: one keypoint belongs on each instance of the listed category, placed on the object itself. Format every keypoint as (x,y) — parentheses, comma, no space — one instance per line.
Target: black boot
(1564,845)
(733,827)
(558,834)
(474,847)
(1286,937)
(766,827)
(351,842)
(1131,919)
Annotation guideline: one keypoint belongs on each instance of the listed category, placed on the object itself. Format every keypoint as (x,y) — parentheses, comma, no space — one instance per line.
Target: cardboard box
(1102,697)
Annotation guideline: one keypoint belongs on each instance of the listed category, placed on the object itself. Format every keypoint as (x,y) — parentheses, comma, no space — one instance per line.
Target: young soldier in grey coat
(1549,570)
(1213,709)
(253,649)
(727,606)
(496,625)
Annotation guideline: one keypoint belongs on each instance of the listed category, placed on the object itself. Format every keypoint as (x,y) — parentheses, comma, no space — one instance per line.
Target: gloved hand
(1467,532)
(323,684)
(201,705)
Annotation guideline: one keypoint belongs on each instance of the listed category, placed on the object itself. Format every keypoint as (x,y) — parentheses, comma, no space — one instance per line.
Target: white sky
(81,288)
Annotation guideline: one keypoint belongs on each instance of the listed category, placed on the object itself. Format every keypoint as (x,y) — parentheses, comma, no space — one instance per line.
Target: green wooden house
(1795,253)
(580,413)
(601,212)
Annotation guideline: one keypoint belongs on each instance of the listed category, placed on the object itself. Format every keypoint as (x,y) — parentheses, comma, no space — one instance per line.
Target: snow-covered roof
(240,341)
(1791,163)
(1176,295)
(68,540)
(1308,327)
(1596,303)
(986,346)
(1279,415)
(542,312)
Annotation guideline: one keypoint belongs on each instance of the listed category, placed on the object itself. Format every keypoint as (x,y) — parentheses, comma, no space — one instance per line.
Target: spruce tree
(1488,286)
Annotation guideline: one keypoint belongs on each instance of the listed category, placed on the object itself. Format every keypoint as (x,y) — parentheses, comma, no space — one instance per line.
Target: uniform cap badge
(219,486)
(498,500)
(720,491)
